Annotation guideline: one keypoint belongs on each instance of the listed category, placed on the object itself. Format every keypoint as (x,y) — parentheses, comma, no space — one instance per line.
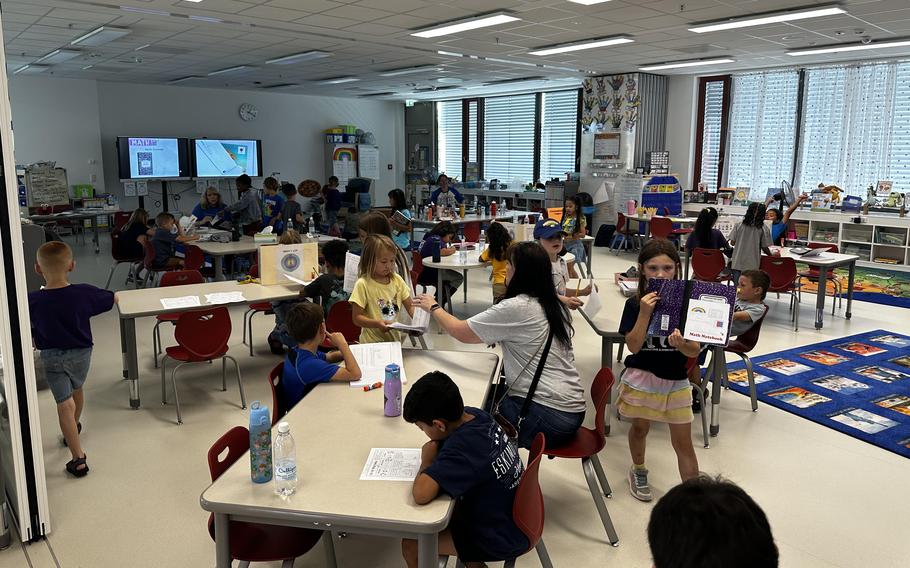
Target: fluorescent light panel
(765,19)
(59,56)
(31,69)
(450,53)
(465,25)
(337,80)
(409,70)
(850,47)
(229,70)
(588,44)
(99,36)
(182,79)
(298,57)
(205,18)
(681,64)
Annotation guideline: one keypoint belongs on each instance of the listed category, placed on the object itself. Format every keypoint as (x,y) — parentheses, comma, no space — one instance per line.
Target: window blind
(762,131)
(712,121)
(508,138)
(558,124)
(472,131)
(448,138)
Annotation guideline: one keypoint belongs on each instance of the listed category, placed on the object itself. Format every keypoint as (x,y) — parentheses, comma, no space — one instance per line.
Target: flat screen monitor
(227,158)
(153,158)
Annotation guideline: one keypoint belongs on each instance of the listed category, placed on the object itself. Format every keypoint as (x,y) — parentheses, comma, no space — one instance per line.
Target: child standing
(247,212)
(305,366)
(332,201)
(655,386)
(497,255)
(549,233)
(574,225)
(329,287)
(380,292)
(272,204)
(291,213)
(60,314)
(165,240)
(750,238)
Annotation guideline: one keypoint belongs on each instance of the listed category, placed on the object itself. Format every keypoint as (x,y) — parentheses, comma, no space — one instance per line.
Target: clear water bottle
(285,456)
(482,241)
(463,252)
(391,390)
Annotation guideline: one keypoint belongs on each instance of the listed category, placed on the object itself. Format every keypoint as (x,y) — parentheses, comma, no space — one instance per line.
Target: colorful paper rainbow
(349,154)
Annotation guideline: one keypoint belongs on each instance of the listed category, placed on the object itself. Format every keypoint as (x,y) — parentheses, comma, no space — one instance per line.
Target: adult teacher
(445,196)
(521,323)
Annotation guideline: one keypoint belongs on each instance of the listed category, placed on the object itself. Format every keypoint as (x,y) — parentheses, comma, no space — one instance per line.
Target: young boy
(750,297)
(329,287)
(550,234)
(332,201)
(291,213)
(272,204)
(247,212)
(304,366)
(166,236)
(740,534)
(60,314)
(470,458)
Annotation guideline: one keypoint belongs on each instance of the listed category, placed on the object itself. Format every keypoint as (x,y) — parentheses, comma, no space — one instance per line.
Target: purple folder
(671,309)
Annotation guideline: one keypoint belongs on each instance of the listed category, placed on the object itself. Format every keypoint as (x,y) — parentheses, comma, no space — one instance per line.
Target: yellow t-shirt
(499,267)
(382,302)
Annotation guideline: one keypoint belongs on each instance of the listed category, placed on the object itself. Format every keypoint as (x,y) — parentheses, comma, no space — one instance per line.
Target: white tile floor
(833,501)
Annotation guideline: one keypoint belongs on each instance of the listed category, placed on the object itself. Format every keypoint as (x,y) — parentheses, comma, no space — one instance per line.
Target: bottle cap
(284,427)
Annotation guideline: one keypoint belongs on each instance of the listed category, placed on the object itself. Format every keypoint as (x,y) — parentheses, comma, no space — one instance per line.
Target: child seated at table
(470,458)
(380,293)
(497,255)
(329,287)
(440,238)
(305,366)
(723,527)
(165,240)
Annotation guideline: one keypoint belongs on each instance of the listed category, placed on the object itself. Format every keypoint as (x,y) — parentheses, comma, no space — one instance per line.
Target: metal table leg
(850,289)
(441,292)
(95,233)
(128,333)
(328,542)
(124,349)
(820,298)
(589,249)
(222,541)
(606,360)
(218,261)
(719,365)
(428,551)
(464,274)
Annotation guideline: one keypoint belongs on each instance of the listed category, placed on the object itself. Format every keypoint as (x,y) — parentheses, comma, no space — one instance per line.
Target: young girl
(751,238)
(401,232)
(441,236)
(497,256)
(704,235)
(574,224)
(655,386)
(134,234)
(380,292)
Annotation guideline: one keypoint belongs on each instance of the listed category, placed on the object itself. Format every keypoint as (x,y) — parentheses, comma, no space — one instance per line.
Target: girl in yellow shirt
(380,293)
(497,255)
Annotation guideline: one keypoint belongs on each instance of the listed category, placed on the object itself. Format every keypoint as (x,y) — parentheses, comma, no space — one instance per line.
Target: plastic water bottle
(463,252)
(260,443)
(285,461)
(391,390)
(482,241)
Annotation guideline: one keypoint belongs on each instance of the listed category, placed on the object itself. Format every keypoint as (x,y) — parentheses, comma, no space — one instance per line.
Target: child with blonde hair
(380,293)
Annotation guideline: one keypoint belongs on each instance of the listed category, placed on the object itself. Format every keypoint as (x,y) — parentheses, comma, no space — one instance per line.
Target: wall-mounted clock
(248,112)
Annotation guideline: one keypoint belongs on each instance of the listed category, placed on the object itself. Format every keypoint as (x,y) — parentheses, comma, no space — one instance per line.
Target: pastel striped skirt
(643,394)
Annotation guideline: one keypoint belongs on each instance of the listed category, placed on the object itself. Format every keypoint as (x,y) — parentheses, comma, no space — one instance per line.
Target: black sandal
(78,430)
(73,467)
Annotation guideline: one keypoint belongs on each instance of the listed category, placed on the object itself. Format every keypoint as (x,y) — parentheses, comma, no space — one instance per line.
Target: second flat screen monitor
(228,158)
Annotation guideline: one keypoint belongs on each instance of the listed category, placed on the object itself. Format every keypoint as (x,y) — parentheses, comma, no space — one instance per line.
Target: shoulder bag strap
(540,365)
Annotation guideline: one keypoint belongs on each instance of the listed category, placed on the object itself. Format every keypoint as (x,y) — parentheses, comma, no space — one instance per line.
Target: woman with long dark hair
(750,238)
(521,324)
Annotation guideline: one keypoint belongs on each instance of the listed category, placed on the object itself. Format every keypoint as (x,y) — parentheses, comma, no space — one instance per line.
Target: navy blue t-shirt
(480,467)
(60,316)
(302,370)
(165,243)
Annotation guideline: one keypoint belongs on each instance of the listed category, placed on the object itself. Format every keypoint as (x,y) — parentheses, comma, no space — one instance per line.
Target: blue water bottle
(391,390)
(260,443)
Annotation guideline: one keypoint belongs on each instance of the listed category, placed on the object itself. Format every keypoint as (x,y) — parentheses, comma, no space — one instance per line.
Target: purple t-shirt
(60,316)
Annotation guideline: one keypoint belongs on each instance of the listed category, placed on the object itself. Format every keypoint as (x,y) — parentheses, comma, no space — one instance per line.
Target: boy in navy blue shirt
(165,238)
(305,366)
(60,314)
(272,204)
(470,458)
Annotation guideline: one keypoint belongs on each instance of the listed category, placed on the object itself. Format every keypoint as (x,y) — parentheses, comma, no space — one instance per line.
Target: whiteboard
(47,186)
(368,161)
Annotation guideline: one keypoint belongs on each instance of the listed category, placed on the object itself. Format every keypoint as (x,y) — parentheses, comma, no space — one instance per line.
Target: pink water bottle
(630,207)
(391,390)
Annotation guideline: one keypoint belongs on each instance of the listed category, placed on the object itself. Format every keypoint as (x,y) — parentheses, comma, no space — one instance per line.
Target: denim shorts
(65,370)
(559,427)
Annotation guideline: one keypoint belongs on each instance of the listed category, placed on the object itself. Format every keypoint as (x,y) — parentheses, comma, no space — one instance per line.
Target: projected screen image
(154,157)
(224,158)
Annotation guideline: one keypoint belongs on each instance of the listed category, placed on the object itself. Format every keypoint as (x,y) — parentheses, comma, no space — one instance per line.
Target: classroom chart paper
(225,298)
(180,302)
(391,464)
(373,358)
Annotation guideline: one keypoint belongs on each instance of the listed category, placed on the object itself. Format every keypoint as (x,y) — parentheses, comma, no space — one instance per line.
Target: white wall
(682,108)
(57,119)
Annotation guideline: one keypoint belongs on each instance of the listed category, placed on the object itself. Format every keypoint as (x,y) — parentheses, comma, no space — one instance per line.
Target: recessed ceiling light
(409,70)
(31,69)
(182,79)
(205,18)
(59,56)
(298,57)
(510,62)
(681,64)
(850,47)
(229,70)
(588,2)
(767,18)
(450,53)
(193,1)
(383,94)
(99,36)
(587,44)
(337,80)
(465,25)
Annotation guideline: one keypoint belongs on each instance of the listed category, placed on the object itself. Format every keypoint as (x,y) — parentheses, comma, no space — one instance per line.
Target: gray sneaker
(638,484)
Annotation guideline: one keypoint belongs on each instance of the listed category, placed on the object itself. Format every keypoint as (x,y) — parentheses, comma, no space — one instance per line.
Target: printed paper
(391,464)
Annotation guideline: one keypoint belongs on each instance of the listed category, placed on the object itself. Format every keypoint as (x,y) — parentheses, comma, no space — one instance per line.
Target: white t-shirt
(520,326)
(560,270)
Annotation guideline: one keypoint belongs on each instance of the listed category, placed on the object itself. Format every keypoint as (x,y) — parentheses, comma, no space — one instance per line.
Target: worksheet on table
(391,464)
(373,358)
(180,302)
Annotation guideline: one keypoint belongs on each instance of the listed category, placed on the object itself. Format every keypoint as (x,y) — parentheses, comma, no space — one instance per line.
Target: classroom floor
(832,500)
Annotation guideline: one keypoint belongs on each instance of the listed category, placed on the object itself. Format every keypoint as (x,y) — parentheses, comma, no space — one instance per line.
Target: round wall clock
(248,112)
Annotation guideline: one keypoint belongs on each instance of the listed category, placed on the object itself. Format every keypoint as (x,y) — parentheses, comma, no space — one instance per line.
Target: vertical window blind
(558,125)
(508,138)
(762,132)
(712,121)
(448,138)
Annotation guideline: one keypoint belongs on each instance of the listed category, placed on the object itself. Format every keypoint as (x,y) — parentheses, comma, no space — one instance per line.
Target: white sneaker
(638,484)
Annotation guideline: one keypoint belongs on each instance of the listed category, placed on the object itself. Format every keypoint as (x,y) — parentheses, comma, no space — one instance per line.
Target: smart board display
(227,158)
(153,158)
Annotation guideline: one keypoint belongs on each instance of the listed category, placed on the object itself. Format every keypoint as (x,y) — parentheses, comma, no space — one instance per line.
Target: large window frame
(726,82)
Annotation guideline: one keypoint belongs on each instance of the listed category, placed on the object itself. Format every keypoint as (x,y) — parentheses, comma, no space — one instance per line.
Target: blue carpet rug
(858,385)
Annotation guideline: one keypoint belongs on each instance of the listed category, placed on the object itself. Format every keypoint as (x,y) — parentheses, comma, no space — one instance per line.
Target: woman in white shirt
(520,324)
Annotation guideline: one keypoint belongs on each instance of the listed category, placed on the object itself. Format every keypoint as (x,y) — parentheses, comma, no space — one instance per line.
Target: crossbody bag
(510,429)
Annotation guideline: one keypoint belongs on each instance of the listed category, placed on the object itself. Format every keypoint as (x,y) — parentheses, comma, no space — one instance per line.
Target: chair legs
(239,381)
(248,328)
(543,555)
(174,382)
(110,275)
(591,477)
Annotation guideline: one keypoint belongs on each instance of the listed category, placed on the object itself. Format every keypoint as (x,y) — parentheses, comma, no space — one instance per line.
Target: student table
(330,495)
(245,245)
(134,304)
(825,262)
(500,216)
(78,215)
(644,221)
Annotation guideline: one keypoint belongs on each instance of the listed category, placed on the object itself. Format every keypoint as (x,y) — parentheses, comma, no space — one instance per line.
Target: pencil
(577,286)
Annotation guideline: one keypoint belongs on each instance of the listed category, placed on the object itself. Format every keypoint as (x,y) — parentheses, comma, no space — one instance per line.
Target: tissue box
(262,239)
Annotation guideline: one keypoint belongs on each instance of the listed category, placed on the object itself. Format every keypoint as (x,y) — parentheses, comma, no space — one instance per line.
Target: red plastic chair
(252,542)
(148,262)
(252,310)
(623,234)
(662,228)
(707,265)
(202,336)
(472,231)
(587,444)
(173,278)
(121,218)
(814,272)
(120,259)
(279,404)
(194,259)
(784,279)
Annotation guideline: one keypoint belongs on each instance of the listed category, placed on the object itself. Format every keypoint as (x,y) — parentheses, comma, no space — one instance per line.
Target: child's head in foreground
(433,403)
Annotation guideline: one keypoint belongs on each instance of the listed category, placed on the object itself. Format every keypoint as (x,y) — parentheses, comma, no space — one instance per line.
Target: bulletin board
(46,186)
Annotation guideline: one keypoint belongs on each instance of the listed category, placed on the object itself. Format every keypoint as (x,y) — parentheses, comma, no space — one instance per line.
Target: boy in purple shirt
(60,314)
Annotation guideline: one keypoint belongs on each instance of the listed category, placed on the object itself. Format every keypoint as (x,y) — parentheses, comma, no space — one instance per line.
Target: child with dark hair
(291,213)
(723,527)
(401,232)
(165,240)
(750,297)
(704,235)
(329,287)
(497,255)
(470,458)
(332,201)
(750,238)
(304,365)
(272,204)
(439,238)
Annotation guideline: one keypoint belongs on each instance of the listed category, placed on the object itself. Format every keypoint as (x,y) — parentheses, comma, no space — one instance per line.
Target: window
(713,93)
(448,138)
(472,130)
(558,125)
(762,130)
(508,138)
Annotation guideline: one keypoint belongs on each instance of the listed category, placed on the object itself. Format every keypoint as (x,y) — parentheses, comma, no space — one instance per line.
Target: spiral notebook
(702,311)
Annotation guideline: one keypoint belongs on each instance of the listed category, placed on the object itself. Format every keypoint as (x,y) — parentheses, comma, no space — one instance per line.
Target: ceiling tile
(397,6)
(359,13)
(369,28)
(272,13)
(328,22)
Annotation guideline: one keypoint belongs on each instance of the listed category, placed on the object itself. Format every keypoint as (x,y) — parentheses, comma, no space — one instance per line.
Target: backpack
(604,235)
